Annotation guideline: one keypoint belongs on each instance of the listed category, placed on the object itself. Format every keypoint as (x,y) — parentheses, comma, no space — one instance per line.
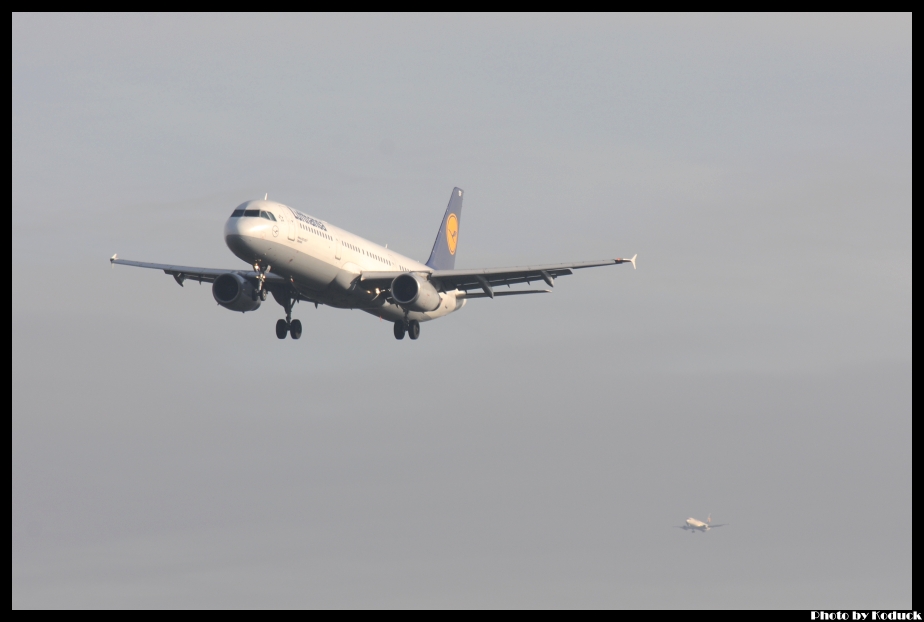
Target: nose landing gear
(260,292)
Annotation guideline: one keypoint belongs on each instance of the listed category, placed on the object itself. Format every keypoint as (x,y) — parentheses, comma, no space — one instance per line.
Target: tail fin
(443,255)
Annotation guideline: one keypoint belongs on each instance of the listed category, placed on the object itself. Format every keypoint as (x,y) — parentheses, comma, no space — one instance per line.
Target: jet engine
(232,291)
(415,293)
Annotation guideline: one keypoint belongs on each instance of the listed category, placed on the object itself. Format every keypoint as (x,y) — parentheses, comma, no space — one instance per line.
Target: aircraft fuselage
(696,525)
(321,261)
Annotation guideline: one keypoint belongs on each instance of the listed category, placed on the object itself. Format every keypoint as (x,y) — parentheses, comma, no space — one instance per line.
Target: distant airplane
(693,525)
(296,257)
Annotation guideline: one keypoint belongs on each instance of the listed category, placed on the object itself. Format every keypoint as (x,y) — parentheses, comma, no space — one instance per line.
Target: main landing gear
(293,328)
(411,327)
(288,325)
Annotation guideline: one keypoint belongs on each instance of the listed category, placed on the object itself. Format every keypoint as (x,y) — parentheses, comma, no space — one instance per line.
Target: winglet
(112,259)
(631,261)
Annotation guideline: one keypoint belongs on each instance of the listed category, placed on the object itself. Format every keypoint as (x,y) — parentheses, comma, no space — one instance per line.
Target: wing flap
(466,295)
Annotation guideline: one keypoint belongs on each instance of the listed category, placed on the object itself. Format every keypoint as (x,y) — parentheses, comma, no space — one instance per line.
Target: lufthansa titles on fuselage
(308,220)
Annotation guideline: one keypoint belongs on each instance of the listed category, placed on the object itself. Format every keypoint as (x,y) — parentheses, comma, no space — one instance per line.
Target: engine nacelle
(415,293)
(232,291)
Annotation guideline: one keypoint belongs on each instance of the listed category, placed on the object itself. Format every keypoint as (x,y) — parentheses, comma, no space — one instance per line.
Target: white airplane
(694,525)
(296,257)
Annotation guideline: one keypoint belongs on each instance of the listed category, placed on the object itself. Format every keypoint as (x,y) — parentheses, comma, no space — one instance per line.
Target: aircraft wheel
(263,294)
(399,330)
(413,329)
(282,328)
(295,329)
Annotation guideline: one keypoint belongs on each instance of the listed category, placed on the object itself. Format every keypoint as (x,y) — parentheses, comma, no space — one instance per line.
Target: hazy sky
(525,452)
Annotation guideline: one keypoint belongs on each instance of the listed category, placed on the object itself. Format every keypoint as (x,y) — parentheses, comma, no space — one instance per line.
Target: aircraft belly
(448,304)
(389,312)
(395,313)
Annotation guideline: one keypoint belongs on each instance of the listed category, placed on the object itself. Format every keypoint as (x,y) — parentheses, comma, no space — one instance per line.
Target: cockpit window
(253,213)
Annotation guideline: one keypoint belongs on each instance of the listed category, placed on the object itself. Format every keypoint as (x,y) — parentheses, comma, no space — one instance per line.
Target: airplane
(693,525)
(296,257)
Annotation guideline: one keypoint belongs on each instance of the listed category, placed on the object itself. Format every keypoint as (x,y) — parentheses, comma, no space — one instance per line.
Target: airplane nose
(233,227)
(245,227)
(240,235)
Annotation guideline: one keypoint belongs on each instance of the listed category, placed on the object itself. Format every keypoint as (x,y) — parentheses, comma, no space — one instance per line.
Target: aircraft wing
(486,279)
(202,275)
(719,525)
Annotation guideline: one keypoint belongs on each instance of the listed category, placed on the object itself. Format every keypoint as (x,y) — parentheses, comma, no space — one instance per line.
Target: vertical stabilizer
(443,255)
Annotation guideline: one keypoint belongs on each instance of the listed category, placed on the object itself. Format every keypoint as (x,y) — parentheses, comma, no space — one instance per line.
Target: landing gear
(260,292)
(287,326)
(295,329)
(411,327)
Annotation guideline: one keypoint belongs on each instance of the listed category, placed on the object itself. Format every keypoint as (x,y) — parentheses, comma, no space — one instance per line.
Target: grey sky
(523,452)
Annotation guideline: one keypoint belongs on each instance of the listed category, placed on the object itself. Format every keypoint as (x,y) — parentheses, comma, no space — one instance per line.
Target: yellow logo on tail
(452,233)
